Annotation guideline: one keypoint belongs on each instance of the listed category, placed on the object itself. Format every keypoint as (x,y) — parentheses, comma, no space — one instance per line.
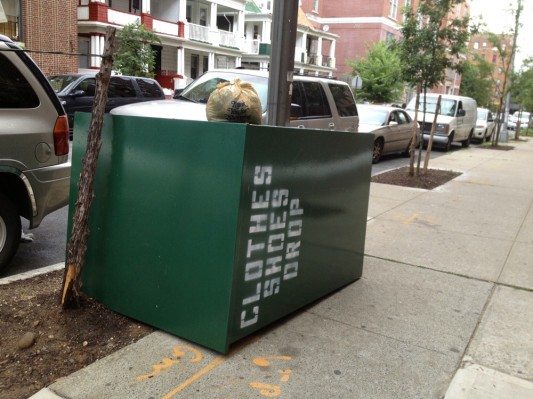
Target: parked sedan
(484,125)
(392,128)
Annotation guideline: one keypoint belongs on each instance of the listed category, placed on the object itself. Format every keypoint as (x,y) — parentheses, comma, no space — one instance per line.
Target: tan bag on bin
(235,101)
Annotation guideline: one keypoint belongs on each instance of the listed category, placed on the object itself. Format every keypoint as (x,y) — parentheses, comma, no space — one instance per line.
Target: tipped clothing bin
(211,231)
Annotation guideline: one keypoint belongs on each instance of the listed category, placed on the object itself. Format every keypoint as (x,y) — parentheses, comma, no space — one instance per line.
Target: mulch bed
(401,177)
(499,147)
(65,341)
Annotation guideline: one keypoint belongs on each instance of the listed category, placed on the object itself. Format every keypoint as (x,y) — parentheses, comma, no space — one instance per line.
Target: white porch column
(319,52)
(213,23)
(180,83)
(304,48)
(263,65)
(145,6)
(240,24)
(101,50)
(238,62)
(332,54)
(211,63)
(182,13)
(95,49)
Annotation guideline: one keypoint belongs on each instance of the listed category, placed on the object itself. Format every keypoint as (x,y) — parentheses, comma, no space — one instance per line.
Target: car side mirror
(393,123)
(461,112)
(296,111)
(77,93)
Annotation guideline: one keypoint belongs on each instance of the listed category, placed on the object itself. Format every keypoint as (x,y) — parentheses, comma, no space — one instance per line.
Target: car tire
(377,151)
(466,143)
(448,145)
(10,230)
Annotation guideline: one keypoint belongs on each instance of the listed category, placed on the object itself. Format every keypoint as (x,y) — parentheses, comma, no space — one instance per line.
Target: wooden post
(430,142)
(77,245)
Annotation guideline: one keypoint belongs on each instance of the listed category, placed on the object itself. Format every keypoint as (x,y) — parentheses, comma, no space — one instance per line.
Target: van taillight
(61,135)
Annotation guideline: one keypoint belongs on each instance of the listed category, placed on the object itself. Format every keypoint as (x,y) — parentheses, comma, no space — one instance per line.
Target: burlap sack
(235,101)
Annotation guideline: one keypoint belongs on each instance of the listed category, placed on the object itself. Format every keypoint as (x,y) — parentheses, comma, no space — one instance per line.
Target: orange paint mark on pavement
(265,361)
(179,352)
(267,390)
(217,361)
(285,375)
(165,364)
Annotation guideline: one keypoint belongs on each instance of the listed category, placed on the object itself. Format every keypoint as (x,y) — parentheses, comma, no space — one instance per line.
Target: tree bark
(430,142)
(422,134)
(77,244)
(412,150)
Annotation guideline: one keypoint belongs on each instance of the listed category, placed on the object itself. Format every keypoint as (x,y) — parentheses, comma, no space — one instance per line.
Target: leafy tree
(522,87)
(477,81)
(381,73)
(135,55)
(432,42)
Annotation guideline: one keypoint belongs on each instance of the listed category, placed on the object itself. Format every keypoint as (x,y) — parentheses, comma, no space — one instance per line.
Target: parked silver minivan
(317,103)
(34,146)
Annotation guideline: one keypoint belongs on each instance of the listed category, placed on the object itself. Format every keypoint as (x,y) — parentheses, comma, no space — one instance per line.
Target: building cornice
(356,20)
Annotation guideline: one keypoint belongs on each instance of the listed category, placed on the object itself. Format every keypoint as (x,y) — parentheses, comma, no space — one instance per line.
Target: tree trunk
(518,125)
(412,150)
(430,142)
(422,134)
(77,244)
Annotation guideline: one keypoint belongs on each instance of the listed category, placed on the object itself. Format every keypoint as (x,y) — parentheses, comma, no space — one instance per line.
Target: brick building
(43,26)
(358,24)
(481,46)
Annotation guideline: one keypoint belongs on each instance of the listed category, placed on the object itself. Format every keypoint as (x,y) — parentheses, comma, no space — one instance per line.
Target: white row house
(199,35)
(195,35)
(315,46)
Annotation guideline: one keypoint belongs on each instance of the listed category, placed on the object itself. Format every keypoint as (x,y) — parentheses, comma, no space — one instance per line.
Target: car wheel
(407,151)
(10,230)
(466,143)
(377,151)
(448,145)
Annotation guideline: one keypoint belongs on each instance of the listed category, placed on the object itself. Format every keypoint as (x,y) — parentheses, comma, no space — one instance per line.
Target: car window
(149,88)
(59,82)
(343,97)
(406,116)
(88,86)
(316,104)
(297,97)
(401,118)
(15,91)
(121,87)
(372,116)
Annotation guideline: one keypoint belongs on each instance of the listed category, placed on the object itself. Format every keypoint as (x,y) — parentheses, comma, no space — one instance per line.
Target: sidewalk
(444,308)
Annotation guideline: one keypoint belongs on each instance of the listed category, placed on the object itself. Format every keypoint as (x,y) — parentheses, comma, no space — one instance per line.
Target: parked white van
(456,120)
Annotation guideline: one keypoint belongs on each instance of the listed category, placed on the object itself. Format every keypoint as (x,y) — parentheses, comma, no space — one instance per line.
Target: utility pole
(284,26)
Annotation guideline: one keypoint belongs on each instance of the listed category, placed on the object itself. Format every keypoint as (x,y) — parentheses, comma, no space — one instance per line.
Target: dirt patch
(400,177)
(65,341)
(499,147)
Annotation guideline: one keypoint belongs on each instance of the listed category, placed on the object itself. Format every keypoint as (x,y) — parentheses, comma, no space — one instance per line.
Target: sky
(498,19)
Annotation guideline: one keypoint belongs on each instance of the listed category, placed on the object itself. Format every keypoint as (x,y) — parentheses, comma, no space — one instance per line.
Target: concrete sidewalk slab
(504,339)
(517,181)
(378,206)
(429,246)
(396,193)
(518,270)
(526,232)
(421,307)
(478,382)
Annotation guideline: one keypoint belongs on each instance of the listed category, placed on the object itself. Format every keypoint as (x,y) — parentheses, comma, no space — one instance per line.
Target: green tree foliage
(381,72)
(522,88)
(135,55)
(431,42)
(477,81)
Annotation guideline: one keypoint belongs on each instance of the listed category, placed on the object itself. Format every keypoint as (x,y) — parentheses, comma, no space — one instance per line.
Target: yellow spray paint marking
(165,364)
(178,352)
(285,375)
(217,361)
(267,390)
(411,219)
(265,361)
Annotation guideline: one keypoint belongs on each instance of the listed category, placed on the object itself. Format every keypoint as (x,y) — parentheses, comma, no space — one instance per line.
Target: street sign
(211,231)
(357,83)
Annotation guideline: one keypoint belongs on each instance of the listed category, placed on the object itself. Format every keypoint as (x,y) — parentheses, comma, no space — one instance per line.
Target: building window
(494,58)
(393,8)
(203,16)
(84,48)
(484,44)
(315,5)
(476,45)
(195,60)
(10,19)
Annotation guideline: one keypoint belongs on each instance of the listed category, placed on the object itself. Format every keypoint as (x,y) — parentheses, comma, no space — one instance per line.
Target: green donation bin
(211,231)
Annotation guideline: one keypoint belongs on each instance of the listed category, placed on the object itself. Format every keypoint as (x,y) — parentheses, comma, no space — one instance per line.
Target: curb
(32,273)
(45,393)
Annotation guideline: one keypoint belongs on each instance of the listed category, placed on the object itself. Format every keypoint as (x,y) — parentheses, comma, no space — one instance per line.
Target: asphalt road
(48,246)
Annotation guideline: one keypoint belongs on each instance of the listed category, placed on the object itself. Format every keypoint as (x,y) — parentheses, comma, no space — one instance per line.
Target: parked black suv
(76,92)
